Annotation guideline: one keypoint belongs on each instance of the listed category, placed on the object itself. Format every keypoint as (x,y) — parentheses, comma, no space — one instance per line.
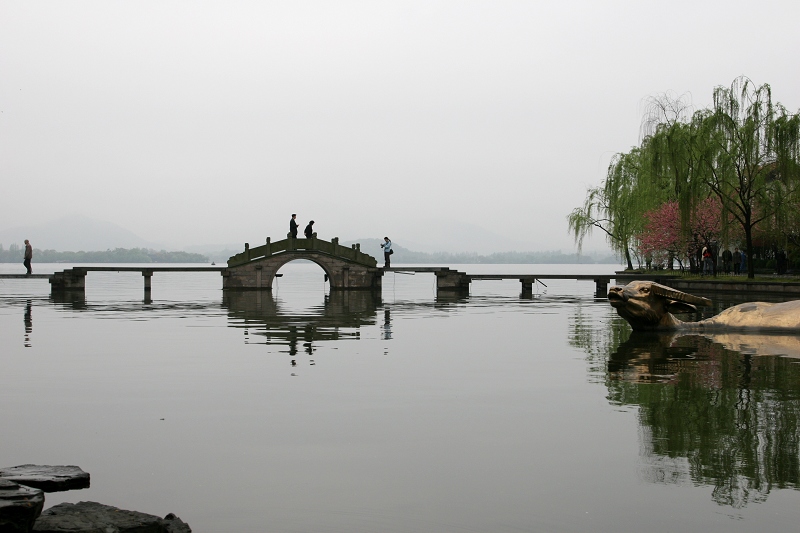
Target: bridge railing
(332,248)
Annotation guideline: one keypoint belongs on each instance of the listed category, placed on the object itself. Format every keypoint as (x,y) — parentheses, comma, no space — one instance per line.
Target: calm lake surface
(305,411)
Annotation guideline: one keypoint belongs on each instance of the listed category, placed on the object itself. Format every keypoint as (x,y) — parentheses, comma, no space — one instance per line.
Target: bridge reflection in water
(266,320)
(721,410)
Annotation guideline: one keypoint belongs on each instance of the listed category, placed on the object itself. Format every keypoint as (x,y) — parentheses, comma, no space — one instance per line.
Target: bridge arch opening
(300,275)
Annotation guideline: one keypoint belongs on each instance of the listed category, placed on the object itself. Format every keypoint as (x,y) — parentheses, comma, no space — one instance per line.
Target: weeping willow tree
(672,146)
(744,150)
(617,208)
(786,222)
(750,157)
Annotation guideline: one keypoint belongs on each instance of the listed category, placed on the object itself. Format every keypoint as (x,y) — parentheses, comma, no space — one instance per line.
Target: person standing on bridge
(309,231)
(28,256)
(293,226)
(387,252)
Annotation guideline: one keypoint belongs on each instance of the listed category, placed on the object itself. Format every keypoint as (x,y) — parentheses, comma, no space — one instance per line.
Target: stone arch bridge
(346,268)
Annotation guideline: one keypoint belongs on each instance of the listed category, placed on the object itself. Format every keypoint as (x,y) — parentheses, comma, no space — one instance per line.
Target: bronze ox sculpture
(648,306)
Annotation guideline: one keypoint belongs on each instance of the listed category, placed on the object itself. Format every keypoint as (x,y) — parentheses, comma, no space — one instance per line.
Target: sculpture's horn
(669,292)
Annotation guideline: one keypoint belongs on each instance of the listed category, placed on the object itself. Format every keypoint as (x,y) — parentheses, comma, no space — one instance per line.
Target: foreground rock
(46,477)
(91,517)
(19,506)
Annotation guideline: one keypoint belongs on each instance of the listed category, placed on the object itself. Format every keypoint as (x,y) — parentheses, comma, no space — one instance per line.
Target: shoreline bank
(728,284)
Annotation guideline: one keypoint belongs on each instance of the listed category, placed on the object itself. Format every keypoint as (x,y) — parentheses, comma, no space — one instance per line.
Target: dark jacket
(308,231)
(293,227)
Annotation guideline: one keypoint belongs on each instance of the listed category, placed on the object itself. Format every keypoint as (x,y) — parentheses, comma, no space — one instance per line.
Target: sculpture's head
(647,305)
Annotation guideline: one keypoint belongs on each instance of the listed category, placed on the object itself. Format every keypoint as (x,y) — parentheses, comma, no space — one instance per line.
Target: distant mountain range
(75,233)
(13,253)
(78,233)
(404,255)
(433,235)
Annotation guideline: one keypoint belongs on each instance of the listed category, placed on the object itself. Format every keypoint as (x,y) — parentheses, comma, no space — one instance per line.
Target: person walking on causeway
(387,252)
(309,231)
(293,226)
(28,256)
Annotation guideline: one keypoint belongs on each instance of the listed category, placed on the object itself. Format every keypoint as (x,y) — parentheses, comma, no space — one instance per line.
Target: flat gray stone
(46,477)
(19,506)
(92,517)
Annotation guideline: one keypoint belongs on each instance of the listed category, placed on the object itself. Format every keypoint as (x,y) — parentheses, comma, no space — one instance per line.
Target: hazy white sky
(194,122)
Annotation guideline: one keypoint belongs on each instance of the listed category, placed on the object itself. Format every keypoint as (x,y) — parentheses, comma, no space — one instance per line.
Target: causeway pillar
(148,276)
(452,280)
(73,279)
(601,287)
(527,287)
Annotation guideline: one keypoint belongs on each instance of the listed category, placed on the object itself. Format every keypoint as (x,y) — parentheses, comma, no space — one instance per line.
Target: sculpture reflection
(341,316)
(714,409)
(733,417)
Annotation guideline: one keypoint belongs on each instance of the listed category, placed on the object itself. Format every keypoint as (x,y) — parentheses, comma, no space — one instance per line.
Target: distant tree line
(720,177)
(509,258)
(403,255)
(15,252)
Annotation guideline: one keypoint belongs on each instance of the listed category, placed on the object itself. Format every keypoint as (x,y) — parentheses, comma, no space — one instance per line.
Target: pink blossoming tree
(664,238)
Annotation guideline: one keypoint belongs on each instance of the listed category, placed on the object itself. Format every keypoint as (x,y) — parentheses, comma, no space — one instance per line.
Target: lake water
(304,411)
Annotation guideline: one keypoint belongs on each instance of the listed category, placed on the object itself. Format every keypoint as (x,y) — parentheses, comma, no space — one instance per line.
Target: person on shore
(727,259)
(387,252)
(743,266)
(309,231)
(708,266)
(737,261)
(780,262)
(293,226)
(28,257)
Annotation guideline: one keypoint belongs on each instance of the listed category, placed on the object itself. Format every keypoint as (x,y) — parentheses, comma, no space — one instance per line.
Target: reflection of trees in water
(733,417)
(596,335)
(341,316)
(709,414)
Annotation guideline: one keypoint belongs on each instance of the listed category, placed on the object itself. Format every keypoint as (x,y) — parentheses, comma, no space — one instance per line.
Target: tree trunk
(628,258)
(748,237)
